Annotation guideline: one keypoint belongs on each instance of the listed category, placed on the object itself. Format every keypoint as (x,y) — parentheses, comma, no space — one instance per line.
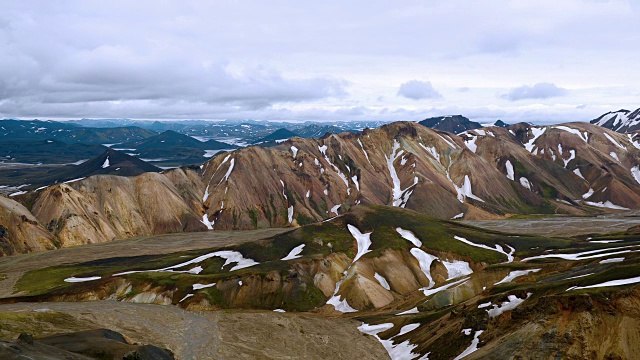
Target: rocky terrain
(418,286)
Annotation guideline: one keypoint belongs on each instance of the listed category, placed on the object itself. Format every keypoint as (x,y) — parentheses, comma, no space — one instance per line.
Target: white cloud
(216,60)
(418,90)
(537,91)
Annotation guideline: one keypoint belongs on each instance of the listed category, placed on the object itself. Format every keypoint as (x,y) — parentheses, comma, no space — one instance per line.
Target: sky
(542,61)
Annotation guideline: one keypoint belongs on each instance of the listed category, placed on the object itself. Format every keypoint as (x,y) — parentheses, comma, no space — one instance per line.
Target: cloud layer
(418,90)
(296,60)
(537,91)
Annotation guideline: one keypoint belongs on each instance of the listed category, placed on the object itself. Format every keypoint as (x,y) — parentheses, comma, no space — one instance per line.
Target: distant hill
(453,123)
(14,130)
(317,131)
(172,139)
(47,151)
(110,162)
(622,121)
(280,134)
(501,124)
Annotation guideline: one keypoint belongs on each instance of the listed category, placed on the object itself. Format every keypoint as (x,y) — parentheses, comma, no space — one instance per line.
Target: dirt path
(563,226)
(15,266)
(202,335)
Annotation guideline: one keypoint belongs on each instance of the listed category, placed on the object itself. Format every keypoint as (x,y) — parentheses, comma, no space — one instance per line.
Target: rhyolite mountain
(574,168)
(623,121)
(453,123)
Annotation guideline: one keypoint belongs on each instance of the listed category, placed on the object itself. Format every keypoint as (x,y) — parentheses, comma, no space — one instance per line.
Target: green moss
(303,298)
(304,220)
(253,214)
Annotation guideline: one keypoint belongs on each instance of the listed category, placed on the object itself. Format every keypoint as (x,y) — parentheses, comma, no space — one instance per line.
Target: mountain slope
(20,231)
(454,123)
(622,121)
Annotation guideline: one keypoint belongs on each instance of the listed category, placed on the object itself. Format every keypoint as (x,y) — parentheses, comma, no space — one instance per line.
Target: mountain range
(572,169)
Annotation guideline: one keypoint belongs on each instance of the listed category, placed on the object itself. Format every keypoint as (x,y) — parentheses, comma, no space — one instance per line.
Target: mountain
(317,131)
(172,139)
(454,123)
(109,162)
(14,130)
(502,124)
(572,169)
(280,134)
(48,151)
(20,231)
(623,121)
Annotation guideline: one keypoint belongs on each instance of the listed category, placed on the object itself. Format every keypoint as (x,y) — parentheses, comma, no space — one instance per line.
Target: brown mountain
(574,168)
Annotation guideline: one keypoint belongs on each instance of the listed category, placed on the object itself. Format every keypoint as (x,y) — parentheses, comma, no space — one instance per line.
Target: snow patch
(106,163)
(206,222)
(408,235)
(510,173)
(525,182)
(74,279)
(516,274)
(383,282)
(294,253)
(290,214)
(363,240)
(612,260)
(512,303)
(473,347)
(614,141)
(457,268)
(424,260)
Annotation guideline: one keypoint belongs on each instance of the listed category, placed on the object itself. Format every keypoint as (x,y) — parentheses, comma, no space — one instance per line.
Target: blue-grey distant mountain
(452,123)
(47,151)
(13,130)
(171,139)
(280,134)
(501,124)
(318,130)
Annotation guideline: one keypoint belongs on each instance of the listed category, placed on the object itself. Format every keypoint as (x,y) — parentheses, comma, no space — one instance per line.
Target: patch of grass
(3,276)
(37,323)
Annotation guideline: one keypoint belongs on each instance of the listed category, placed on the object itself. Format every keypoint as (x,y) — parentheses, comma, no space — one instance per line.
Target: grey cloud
(418,90)
(537,91)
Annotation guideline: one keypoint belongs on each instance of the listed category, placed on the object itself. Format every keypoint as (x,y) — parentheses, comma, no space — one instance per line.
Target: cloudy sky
(541,61)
